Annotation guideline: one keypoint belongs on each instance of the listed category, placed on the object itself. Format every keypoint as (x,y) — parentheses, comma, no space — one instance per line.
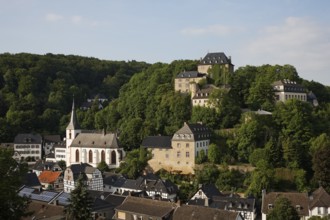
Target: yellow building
(178,153)
(183,80)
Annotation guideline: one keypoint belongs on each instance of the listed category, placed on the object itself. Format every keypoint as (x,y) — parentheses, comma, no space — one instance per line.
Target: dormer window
(270,206)
(298,207)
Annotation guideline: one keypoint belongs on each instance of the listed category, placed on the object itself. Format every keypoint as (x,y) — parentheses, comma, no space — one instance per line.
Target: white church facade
(91,147)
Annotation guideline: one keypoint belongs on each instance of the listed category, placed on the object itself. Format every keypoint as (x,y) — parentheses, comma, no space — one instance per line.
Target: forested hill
(36,90)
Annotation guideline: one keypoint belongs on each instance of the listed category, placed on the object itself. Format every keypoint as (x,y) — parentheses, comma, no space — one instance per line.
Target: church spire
(73,121)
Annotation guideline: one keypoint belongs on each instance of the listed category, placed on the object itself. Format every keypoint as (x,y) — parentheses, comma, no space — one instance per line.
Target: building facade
(28,145)
(90,146)
(212,59)
(183,80)
(178,154)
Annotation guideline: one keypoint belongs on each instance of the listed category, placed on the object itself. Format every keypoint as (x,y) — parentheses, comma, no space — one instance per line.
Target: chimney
(206,201)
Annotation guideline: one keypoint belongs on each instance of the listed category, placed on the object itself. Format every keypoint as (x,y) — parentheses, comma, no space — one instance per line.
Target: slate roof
(198,132)
(210,190)
(52,138)
(233,203)
(41,165)
(295,198)
(28,139)
(84,168)
(96,140)
(215,58)
(204,92)
(190,74)
(43,210)
(114,180)
(31,180)
(200,212)
(289,86)
(157,142)
(154,208)
(319,198)
(48,176)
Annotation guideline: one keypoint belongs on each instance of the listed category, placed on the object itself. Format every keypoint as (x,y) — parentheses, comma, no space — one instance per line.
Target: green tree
(261,178)
(80,202)
(283,210)
(214,154)
(12,205)
(135,162)
(62,164)
(321,167)
(207,174)
(103,166)
(201,157)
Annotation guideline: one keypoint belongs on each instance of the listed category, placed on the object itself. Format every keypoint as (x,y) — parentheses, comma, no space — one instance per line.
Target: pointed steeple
(73,121)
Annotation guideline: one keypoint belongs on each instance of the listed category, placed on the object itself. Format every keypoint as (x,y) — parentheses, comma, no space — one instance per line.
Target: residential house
(183,80)
(319,204)
(200,212)
(150,184)
(245,206)
(299,201)
(28,146)
(140,208)
(113,183)
(178,154)
(60,151)
(206,191)
(41,165)
(212,59)
(92,176)
(51,179)
(208,195)
(90,146)
(48,143)
(104,204)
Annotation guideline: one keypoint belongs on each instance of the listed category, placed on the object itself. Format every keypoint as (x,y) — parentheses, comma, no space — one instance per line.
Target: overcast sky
(252,32)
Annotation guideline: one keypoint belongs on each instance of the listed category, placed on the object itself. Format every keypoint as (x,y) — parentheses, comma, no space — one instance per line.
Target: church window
(77,155)
(113,157)
(90,156)
(102,155)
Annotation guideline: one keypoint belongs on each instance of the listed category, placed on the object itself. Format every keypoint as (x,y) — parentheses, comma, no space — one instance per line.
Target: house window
(187,145)
(90,156)
(178,154)
(178,145)
(187,154)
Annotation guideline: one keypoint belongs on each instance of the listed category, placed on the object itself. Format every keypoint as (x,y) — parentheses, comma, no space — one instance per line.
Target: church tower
(72,130)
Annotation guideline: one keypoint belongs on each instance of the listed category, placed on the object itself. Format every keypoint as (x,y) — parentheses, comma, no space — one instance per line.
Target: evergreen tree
(80,203)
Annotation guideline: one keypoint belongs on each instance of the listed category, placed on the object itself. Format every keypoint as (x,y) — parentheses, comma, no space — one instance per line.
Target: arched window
(102,155)
(90,156)
(77,155)
(113,157)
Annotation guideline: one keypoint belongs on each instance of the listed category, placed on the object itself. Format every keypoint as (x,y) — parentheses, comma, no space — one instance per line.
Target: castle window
(178,154)
(187,154)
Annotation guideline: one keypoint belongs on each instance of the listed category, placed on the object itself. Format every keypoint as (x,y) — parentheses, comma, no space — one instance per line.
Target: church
(91,147)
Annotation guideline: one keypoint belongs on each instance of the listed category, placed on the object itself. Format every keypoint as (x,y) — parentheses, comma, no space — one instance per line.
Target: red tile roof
(48,176)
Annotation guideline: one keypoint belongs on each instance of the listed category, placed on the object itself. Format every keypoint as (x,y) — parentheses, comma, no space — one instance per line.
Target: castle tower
(72,130)
(193,89)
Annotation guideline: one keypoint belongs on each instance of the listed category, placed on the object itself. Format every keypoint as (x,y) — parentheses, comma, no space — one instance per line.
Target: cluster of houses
(147,197)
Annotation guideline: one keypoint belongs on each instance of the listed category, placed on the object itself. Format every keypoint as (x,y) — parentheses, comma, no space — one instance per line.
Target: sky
(252,32)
